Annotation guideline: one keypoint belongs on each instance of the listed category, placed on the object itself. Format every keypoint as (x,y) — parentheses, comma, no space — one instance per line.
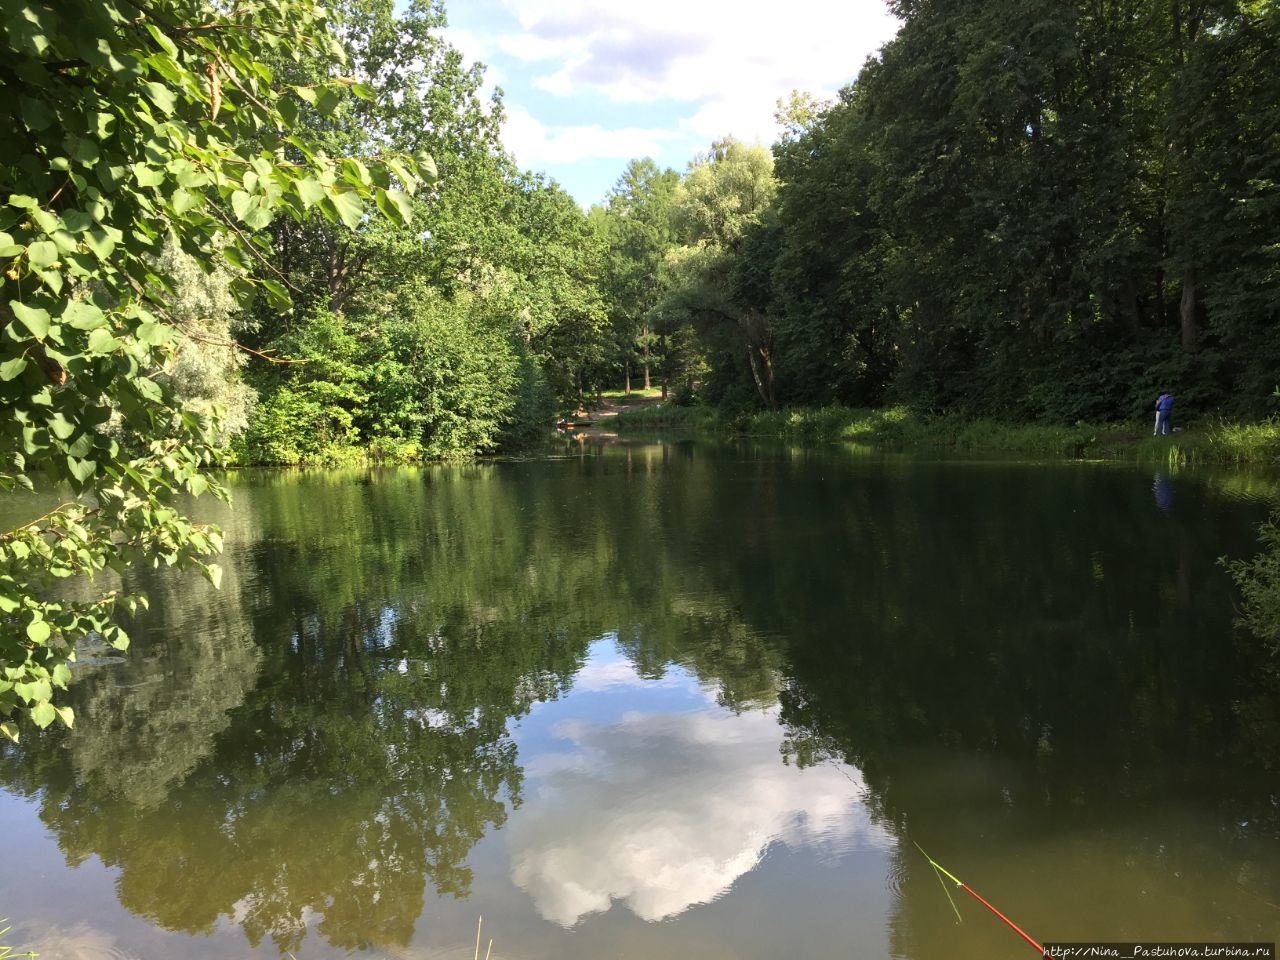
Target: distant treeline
(1031,211)
(1036,211)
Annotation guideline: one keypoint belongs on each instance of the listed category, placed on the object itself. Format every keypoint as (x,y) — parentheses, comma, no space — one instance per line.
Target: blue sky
(591,84)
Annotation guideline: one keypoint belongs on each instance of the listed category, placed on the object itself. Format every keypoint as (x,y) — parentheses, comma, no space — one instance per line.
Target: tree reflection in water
(1033,669)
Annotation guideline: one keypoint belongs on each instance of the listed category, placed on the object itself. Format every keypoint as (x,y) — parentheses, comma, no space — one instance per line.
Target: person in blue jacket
(1164,406)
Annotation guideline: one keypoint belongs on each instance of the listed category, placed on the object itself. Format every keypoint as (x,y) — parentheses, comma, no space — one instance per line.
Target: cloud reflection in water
(665,811)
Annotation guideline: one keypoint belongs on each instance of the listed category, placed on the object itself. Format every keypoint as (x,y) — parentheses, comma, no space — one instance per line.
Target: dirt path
(600,429)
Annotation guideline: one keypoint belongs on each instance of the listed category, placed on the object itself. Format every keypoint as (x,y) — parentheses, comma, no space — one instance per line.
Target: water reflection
(402,701)
(1162,487)
(663,811)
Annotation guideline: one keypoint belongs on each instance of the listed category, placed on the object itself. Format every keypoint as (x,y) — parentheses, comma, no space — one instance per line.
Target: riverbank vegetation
(1038,240)
(900,428)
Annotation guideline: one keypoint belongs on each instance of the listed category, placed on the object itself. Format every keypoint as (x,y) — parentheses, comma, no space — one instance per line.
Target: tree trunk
(626,382)
(644,352)
(1190,301)
(764,384)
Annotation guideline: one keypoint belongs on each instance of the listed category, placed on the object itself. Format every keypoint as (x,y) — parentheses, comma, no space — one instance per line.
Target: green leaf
(85,152)
(12,368)
(183,200)
(147,176)
(155,334)
(327,100)
(426,166)
(149,389)
(104,124)
(309,191)
(348,207)
(82,470)
(245,293)
(61,427)
(277,295)
(101,243)
(38,632)
(35,113)
(165,44)
(240,201)
(401,172)
(356,173)
(161,96)
(35,691)
(43,714)
(101,341)
(43,253)
(9,730)
(35,320)
(395,205)
(83,315)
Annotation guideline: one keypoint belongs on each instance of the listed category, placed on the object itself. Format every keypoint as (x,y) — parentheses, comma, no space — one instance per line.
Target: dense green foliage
(140,135)
(1259,582)
(1029,211)
(446,338)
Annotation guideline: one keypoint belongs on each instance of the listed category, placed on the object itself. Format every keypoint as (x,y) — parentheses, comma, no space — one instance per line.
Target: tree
(835,333)
(722,212)
(425,98)
(205,369)
(132,124)
(637,224)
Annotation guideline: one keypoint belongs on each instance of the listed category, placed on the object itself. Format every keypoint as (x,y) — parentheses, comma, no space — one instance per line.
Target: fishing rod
(939,870)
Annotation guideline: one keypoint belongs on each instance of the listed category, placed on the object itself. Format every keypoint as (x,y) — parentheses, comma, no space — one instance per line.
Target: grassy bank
(896,428)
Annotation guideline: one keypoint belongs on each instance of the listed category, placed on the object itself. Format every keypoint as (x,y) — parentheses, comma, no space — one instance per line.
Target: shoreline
(899,429)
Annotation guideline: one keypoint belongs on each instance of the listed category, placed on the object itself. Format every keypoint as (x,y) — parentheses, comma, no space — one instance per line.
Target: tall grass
(897,428)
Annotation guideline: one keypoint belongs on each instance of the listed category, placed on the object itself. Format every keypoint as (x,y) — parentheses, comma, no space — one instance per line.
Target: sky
(590,84)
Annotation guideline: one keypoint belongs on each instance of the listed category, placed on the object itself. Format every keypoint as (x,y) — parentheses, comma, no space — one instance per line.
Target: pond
(669,700)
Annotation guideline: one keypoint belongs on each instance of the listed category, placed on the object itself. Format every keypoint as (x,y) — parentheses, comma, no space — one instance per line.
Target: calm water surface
(669,701)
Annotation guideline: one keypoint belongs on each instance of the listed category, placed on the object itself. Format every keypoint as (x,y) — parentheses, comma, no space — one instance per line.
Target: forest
(1046,212)
(1042,212)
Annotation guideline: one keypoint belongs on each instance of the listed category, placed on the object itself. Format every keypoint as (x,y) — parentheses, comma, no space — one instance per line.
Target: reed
(7,952)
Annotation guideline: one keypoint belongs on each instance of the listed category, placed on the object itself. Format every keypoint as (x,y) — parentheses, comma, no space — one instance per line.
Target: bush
(1259,583)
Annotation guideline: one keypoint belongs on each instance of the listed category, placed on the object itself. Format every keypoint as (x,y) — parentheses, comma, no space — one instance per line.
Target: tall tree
(720,210)
(638,225)
(425,99)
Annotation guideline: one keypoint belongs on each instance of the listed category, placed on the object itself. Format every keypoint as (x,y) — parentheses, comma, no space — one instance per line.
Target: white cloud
(747,119)
(599,675)
(714,51)
(534,143)
(667,811)
(589,82)
(527,47)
